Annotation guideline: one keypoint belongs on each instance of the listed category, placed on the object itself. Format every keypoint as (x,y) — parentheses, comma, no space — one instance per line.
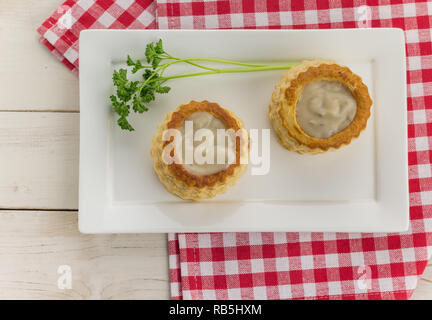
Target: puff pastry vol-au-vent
(319,106)
(194,179)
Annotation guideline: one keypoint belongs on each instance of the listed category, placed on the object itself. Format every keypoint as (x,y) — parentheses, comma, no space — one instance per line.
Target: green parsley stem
(221,61)
(234,70)
(195,64)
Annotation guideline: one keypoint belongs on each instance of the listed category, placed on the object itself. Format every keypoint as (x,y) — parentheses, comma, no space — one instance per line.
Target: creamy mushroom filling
(325,108)
(217,152)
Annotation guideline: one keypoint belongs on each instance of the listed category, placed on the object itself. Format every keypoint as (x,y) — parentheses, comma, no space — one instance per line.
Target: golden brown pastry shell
(282,109)
(175,177)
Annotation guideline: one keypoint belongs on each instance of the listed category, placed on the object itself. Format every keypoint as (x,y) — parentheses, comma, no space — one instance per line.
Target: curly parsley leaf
(162,89)
(124,124)
(138,105)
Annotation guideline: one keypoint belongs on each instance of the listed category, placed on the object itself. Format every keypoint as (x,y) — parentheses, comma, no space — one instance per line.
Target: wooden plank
(39,160)
(31,78)
(33,244)
(424,287)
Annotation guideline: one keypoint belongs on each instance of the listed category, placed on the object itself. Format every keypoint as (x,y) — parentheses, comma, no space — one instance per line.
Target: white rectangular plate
(360,188)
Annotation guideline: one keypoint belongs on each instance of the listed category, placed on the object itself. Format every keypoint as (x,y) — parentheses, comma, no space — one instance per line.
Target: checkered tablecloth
(289,265)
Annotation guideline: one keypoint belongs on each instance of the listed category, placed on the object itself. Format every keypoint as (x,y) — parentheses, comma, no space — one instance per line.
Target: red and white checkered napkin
(60,32)
(288,265)
(316,265)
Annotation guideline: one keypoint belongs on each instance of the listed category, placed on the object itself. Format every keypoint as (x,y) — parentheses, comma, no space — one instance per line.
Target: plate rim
(89,224)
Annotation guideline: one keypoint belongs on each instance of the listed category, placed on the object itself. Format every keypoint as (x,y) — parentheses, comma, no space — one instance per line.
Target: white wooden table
(39,139)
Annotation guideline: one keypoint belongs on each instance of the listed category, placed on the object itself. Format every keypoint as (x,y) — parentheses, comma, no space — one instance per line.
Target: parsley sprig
(136,95)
